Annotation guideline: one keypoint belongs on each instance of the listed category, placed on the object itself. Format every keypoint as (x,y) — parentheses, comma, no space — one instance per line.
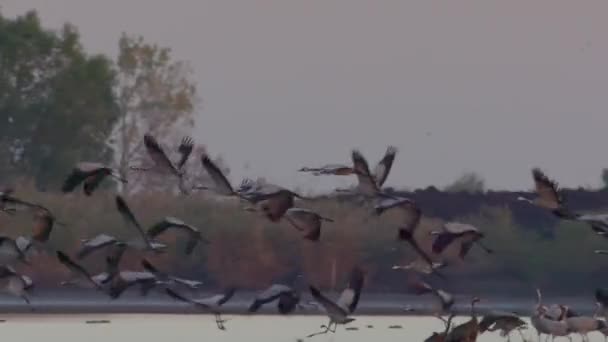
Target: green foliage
(469,182)
(56,102)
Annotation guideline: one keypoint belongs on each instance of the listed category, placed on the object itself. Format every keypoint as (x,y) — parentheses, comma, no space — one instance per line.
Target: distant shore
(61,302)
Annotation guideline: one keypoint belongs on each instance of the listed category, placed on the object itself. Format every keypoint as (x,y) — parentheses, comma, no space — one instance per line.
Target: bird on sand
(339,312)
(211,304)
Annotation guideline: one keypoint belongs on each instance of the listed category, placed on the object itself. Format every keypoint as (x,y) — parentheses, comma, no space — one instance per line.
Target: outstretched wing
(384,166)
(173,294)
(350,296)
(547,189)
(185,150)
(367,184)
(222,184)
(128,216)
(98,242)
(269,295)
(74,179)
(75,268)
(158,155)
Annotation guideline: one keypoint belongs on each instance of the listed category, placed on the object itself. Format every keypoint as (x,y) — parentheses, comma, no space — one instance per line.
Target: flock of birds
(277,203)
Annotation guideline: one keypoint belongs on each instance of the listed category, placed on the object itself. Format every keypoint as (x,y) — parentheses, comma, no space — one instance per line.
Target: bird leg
(486,249)
(219,321)
(322,332)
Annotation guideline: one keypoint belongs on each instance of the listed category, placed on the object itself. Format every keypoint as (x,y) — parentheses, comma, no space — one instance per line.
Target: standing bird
(548,195)
(13,283)
(194,235)
(601,296)
(91,175)
(162,163)
(80,276)
(446,300)
(339,311)
(212,304)
(468,331)
(287,297)
(464,234)
(441,337)
(306,221)
(583,325)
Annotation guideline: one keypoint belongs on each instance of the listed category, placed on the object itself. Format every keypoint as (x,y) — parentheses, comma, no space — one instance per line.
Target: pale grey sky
(495,87)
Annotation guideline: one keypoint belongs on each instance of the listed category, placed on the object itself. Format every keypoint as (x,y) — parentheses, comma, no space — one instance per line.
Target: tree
(56,102)
(469,182)
(155,95)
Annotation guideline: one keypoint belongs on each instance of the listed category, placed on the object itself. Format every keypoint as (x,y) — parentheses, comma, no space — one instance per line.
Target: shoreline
(86,302)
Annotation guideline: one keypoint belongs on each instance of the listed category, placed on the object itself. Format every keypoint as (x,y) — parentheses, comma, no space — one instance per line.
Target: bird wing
(217,300)
(19,204)
(288,301)
(459,228)
(75,268)
(185,150)
(75,177)
(367,184)
(412,241)
(128,216)
(350,296)
(420,287)
(547,189)
(158,155)
(153,270)
(385,203)
(276,206)
(193,284)
(222,185)
(99,241)
(327,304)
(269,295)
(443,240)
(193,240)
(305,221)
(173,294)
(384,166)
(159,228)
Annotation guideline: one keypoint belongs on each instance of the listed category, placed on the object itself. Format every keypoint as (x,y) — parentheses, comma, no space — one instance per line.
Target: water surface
(192,327)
